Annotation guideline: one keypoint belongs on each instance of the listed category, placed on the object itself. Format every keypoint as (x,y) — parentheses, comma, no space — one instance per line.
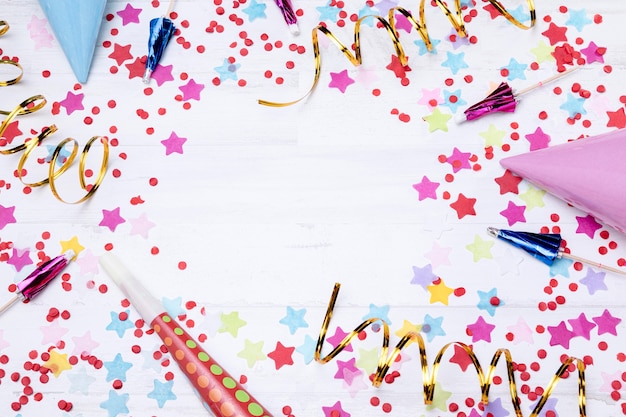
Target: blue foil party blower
(547,247)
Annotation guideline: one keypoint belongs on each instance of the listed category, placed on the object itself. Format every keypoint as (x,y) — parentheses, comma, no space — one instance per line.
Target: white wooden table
(241,217)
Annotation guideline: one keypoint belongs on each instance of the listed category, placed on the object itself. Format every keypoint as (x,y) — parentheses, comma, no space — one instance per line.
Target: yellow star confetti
(481,249)
(440,399)
(437,120)
(533,197)
(408,327)
(252,352)
(493,136)
(73,245)
(57,363)
(231,323)
(439,292)
(368,360)
(543,52)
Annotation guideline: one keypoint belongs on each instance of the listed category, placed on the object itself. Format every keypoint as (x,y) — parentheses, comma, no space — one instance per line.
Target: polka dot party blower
(220,392)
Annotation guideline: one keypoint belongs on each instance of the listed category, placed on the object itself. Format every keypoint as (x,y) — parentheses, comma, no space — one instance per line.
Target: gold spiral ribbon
(455,17)
(32,105)
(4,27)
(429,377)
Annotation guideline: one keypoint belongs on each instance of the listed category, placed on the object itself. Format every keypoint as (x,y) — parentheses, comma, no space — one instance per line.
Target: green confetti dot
(216,369)
(191,344)
(242,396)
(228,382)
(167,319)
(255,409)
(178,331)
(203,356)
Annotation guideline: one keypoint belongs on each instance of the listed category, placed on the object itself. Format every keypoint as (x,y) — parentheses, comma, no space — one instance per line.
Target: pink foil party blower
(289,15)
(37,280)
(503,99)
(219,391)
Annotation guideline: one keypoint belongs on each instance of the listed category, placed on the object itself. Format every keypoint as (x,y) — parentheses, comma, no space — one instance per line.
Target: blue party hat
(76,24)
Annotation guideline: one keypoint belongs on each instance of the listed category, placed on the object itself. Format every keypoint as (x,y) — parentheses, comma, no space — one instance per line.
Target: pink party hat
(588,173)
(76,24)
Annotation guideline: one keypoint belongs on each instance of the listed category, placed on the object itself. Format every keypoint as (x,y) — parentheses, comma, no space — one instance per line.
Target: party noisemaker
(161,31)
(39,279)
(547,247)
(289,15)
(221,393)
(503,99)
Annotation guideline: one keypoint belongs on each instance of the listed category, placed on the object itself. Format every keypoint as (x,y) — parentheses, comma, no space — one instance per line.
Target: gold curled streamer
(31,105)
(455,17)
(4,27)
(429,377)
(14,80)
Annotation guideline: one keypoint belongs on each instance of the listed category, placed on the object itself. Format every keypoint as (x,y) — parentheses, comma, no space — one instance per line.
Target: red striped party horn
(223,395)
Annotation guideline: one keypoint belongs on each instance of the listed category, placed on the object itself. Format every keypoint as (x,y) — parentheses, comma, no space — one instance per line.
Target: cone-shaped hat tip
(76,24)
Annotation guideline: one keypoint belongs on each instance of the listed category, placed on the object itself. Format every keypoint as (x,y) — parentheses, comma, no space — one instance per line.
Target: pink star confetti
(129,14)
(560,335)
(538,139)
(340,80)
(426,188)
(587,225)
(19,259)
(141,226)
(514,213)
(607,323)
(6,216)
(72,102)
(173,144)
(111,219)
(162,74)
(191,90)
(480,330)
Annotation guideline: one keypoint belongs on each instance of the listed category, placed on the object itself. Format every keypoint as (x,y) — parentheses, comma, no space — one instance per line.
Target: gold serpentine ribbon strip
(32,105)
(4,27)
(429,377)
(455,18)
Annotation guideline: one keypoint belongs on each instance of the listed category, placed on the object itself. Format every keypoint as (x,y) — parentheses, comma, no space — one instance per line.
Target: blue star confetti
(162,392)
(255,10)
(117,368)
(118,325)
(455,62)
(294,319)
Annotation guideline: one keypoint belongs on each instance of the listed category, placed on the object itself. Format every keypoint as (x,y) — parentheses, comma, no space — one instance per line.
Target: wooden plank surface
(243,228)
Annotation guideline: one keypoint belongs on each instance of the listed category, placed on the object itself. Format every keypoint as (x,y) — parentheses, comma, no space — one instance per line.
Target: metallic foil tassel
(37,280)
